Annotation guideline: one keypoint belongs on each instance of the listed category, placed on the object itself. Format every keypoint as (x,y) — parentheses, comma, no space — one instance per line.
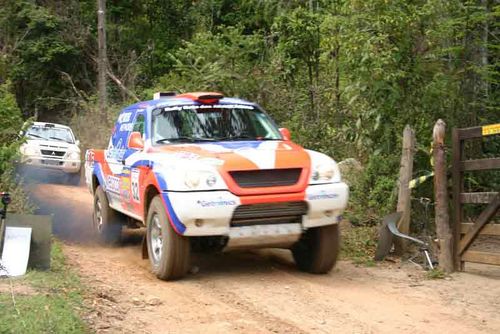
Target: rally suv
(202,171)
(52,146)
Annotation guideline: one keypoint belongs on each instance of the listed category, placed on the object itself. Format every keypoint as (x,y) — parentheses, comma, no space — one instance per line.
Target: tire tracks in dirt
(257,292)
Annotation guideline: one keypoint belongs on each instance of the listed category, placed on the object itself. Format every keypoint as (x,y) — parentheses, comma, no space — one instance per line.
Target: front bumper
(211,212)
(62,164)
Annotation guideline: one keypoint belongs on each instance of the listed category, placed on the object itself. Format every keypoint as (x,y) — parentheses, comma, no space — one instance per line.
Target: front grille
(269,213)
(266,177)
(53,153)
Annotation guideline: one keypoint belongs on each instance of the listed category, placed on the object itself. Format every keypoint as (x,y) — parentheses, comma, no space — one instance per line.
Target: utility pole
(101,82)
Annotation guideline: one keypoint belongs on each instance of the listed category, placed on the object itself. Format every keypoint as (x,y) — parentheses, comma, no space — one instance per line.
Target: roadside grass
(359,244)
(51,305)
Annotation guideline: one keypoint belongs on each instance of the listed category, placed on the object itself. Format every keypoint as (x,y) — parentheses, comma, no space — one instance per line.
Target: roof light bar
(203,97)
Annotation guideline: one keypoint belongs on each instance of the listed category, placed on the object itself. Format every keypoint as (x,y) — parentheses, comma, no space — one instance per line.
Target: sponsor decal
(89,159)
(216,203)
(127,127)
(212,161)
(186,155)
(215,106)
(113,184)
(124,117)
(134,177)
(322,195)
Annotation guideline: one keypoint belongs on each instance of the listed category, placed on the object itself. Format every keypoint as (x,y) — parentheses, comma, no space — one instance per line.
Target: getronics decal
(215,203)
(186,155)
(314,197)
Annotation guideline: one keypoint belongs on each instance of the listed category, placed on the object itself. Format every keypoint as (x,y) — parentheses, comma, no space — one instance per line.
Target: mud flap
(144,248)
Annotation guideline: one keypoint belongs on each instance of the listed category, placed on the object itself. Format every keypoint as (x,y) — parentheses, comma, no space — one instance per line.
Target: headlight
(74,155)
(28,150)
(323,173)
(199,179)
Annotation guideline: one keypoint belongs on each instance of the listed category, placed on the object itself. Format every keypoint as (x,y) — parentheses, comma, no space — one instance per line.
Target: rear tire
(106,221)
(168,252)
(317,250)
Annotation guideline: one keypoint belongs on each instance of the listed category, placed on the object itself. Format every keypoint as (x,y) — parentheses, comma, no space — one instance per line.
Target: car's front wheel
(168,252)
(317,250)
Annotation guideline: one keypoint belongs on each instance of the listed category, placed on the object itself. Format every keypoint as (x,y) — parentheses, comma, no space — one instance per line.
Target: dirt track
(260,292)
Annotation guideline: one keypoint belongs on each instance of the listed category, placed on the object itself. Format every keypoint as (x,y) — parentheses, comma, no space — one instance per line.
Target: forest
(345,76)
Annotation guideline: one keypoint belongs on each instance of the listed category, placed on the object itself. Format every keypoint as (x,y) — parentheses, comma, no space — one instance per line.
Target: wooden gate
(466,232)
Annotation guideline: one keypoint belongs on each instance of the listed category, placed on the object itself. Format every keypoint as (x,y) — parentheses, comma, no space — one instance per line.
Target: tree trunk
(404,200)
(101,63)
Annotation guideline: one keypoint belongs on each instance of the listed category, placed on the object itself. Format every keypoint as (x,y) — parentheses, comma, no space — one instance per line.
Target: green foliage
(435,273)
(10,115)
(49,306)
(345,76)
(358,244)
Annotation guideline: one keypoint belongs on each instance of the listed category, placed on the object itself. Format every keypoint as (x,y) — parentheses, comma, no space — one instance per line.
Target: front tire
(317,250)
(106,221)
(169,252)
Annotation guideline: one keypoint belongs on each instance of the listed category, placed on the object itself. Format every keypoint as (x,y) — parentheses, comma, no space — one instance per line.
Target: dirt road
(260,292)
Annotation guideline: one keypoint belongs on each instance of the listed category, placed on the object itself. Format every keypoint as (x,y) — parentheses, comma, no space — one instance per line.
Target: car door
(115,156)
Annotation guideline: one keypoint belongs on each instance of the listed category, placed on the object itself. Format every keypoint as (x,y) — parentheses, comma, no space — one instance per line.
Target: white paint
(264,156)
(16,250)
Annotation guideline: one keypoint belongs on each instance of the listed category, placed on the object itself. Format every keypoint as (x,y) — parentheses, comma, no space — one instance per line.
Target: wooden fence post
(405,174)
(441,196)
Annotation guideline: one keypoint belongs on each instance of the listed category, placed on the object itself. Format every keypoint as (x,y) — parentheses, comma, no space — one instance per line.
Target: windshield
(50,133)
(212,123)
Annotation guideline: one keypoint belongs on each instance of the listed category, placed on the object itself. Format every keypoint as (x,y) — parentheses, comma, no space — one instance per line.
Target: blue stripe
(147,163)
(99,174)
(179,226)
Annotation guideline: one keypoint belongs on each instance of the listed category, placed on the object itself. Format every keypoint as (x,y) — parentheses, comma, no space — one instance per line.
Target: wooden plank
(468,133)
(480,164)
(482,257)
(477,198)
(488,229)
(457,183)
(483,218)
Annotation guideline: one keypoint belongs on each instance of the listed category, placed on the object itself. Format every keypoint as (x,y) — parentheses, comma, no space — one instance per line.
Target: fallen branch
(121,85)
(117,81)
(81,94)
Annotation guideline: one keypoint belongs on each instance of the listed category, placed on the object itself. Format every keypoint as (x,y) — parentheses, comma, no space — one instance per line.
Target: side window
(139,124)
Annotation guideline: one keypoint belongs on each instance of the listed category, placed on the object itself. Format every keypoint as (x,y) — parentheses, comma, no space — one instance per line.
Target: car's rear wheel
(168,252)
(106,221)
(317,250)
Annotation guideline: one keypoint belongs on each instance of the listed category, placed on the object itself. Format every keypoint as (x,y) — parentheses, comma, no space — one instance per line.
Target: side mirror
(135,141)
(285,133)
(77,142)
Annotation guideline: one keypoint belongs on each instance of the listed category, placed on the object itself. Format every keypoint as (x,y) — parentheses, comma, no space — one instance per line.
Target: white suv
(52,146)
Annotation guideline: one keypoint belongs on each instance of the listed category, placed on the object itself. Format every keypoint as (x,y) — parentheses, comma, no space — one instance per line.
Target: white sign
(16,251)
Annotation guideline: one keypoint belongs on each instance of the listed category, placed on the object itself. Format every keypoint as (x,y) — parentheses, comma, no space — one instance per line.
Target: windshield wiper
(60,139)
(184,138)
(33,135)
